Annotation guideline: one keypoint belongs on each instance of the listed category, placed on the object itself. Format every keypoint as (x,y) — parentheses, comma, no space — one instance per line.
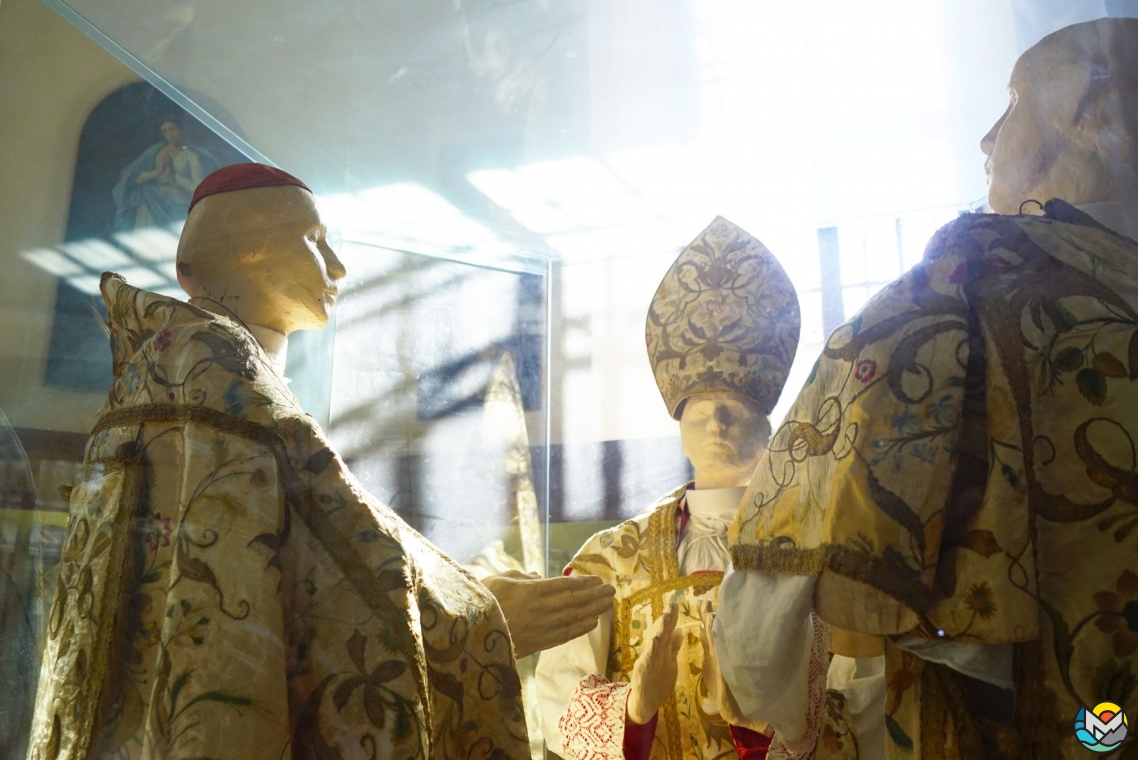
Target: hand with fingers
(544,612)
(655,672)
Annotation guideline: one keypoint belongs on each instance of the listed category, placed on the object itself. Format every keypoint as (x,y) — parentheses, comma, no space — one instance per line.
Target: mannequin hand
(544,612)
(655,672)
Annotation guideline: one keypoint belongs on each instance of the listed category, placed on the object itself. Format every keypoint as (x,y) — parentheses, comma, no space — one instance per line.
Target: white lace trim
(802,748)
(592,727)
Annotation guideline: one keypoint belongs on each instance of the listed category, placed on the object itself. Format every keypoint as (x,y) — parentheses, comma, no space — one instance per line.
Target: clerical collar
(722,503)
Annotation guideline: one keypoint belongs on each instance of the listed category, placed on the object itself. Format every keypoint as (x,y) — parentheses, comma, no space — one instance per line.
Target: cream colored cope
(262,256)
(1069,127)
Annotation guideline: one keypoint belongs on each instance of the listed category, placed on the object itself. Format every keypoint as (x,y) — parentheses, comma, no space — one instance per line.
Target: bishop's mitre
(725,318)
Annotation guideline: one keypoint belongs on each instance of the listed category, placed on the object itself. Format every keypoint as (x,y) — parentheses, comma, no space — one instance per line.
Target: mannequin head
(262,254)
(723,436)
(1070,129)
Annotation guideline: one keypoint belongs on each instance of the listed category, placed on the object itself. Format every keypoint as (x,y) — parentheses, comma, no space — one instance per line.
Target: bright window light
(601,210)
(887,179)
(543,220)
(572,180)
(579,246)
(52,262)
(147,279)
(97,255)
(640,239)
(88,284)
(150,243)
(507,189)
(350,213)
(409,202)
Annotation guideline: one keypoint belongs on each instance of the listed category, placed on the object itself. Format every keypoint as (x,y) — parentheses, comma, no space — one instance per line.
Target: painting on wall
(140,158)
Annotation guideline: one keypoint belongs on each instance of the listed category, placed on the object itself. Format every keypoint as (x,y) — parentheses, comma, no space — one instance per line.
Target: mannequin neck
(273,343)
(715,502)
(1119,213)
(717,478)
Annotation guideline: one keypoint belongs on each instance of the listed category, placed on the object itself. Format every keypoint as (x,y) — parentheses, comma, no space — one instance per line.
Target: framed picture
(140,158)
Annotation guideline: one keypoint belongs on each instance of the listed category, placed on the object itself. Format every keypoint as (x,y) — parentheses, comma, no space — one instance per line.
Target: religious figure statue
(722,332)
(155,189)
(955,481)
(227,588)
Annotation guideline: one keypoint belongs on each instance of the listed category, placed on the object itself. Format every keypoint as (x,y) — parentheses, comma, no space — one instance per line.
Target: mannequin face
(723,435)
(263,254)
(1062,135)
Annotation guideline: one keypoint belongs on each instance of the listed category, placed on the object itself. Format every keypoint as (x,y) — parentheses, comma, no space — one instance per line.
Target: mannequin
(985,563)
(631,688)
(1069,130)
(222,258)
(227,589)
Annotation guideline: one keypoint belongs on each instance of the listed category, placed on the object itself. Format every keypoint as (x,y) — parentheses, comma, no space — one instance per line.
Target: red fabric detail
(638,739)
(751,745)
(592,727)
(243,177)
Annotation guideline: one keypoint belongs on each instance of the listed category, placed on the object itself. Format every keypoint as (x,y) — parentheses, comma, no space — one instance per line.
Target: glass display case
(506,184)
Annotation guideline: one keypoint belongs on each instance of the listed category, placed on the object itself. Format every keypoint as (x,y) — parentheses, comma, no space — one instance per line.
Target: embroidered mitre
(724,318)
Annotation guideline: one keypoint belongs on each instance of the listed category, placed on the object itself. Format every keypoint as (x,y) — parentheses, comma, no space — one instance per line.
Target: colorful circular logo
(1102,729)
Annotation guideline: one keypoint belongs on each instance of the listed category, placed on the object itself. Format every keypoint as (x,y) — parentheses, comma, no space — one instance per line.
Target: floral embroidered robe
(639,558)
(228,590)
(960,466)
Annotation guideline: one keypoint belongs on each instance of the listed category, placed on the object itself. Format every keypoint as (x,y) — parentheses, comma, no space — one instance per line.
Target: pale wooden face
(723,435)
(1059,134)
(264,254)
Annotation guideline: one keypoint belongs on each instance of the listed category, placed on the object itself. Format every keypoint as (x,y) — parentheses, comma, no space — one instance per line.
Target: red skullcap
(243,177)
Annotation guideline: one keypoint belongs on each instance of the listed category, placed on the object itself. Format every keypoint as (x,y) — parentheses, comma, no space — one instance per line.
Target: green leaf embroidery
(897,734)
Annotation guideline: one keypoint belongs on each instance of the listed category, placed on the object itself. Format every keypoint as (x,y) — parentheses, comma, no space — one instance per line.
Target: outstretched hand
(544,612)
(654,675)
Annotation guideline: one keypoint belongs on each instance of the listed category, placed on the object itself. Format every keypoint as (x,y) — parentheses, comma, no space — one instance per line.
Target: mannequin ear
(185,276)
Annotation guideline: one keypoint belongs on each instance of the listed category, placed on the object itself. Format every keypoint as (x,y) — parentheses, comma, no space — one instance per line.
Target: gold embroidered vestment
(228,590)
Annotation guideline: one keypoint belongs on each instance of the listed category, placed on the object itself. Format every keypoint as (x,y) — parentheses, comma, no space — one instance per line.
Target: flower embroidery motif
(830,739)
(1120,613)
(979,600)
(148,628)
(648,338)
(959,275)
(162,341)
(158,532)
(865,370)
